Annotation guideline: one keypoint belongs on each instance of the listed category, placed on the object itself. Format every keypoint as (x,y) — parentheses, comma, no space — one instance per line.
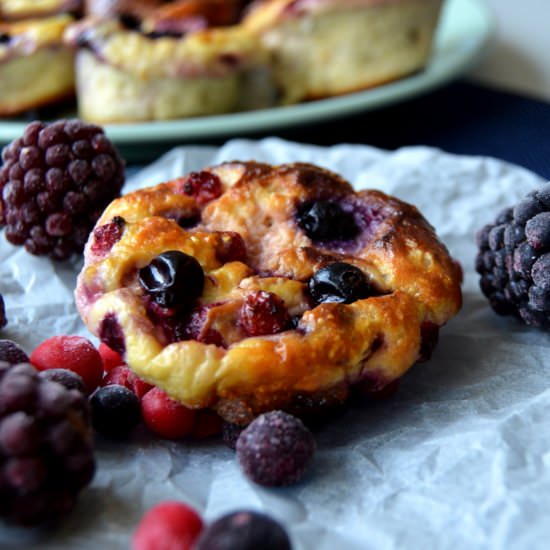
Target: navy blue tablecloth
(462,118)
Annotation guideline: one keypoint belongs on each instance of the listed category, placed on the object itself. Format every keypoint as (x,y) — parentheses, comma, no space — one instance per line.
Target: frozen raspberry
(124,376)
(165,416)
(264,313)
(115,411)
(105,236)
(12,352)
(46,453)
(245,530)
(110,357)
(275,449)
(75,353)
(513,260)
(170,525)
(54,183)
(204,186)
(3,319)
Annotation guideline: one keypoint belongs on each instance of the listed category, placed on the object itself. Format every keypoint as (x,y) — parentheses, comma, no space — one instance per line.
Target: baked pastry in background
(322,48)
(155,67)
(36,67)
(247,287)
(11,10)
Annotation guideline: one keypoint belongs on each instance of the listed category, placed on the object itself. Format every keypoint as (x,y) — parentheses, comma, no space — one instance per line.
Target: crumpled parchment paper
(458,458)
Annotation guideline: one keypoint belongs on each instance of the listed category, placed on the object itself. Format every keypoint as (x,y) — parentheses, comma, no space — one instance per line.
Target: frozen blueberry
(116,411)
(275,449)
(244,530)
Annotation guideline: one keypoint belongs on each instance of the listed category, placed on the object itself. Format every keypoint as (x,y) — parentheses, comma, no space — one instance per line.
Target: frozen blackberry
(275,449)
(46,454)
(55,181)
(3,320)
(245,530)
(12,352)
(513,260)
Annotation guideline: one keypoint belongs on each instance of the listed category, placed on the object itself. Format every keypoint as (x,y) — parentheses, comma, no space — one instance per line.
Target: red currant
(166,416)
(74,353)
(168,525)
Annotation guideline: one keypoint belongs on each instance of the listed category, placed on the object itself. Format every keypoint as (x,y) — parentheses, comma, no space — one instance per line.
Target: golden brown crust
(333,346)
(32,45)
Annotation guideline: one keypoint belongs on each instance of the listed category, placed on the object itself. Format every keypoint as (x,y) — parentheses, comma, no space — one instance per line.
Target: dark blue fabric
(462,118)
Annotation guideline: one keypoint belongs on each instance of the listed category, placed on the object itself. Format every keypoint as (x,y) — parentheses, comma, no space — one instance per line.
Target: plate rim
(442,68)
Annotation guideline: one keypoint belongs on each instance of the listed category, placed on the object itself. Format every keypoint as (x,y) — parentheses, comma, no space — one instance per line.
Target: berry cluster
(55,182)
(175,525)
(514,260)
(46,453)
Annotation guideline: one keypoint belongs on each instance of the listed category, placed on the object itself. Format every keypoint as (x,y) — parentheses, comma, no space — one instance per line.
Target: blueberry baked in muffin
(248,287)
(36,67)
(181,59)
(322,48)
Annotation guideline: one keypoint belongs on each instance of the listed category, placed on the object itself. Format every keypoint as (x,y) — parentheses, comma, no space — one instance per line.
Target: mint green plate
(462,36)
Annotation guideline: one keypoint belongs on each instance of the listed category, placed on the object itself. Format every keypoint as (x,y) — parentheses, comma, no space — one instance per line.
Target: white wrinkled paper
(459,458)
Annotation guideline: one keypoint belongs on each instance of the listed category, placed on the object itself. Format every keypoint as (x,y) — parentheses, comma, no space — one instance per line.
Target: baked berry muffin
(248,287)
(322,48)
(11,10)
(36,67)
(168,64)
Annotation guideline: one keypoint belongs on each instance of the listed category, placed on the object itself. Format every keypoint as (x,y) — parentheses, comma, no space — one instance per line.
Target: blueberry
(326,220)
(275,449)
(115,411)
(339,282)
(245,530)
(173,279)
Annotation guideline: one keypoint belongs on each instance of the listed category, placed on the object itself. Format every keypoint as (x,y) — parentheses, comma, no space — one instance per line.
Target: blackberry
(275,449)
(12,353)
(55,181)
(245,530)
(46,453)
(513,260)
(3,319)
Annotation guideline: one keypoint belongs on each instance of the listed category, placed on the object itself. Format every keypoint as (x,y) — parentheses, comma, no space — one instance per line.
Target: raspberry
(12,352)
(232,248)
(204,186)
(513,260)
(169,525)
(245,530)
(165,416)
(115,411)
(75,353)
(264,313)
(110,357)
(54,183)
(105,236)
(124,376)
(46,453)
(275,449)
